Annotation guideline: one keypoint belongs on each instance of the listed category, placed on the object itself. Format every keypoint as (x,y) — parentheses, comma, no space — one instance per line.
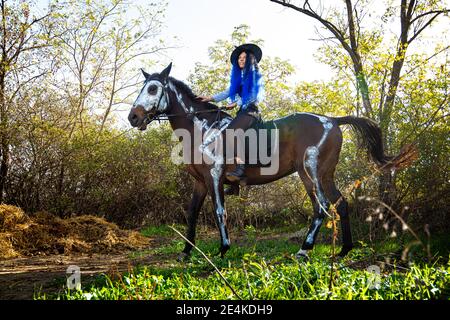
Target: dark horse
(308,144)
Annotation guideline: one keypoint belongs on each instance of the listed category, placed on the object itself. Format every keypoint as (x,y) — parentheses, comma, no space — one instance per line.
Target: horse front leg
(198,196)
(218,198)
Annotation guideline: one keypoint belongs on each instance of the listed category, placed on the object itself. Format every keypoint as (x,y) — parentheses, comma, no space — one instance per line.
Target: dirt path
(21,278)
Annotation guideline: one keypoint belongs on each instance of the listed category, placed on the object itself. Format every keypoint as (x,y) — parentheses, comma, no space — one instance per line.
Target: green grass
(163,231)
(265,268)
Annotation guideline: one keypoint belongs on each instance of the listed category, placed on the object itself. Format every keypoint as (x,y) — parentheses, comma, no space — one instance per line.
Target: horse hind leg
(310,177)
(341,205)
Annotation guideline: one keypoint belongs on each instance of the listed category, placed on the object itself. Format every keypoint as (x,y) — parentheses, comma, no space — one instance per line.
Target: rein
(164,117)
(187,114)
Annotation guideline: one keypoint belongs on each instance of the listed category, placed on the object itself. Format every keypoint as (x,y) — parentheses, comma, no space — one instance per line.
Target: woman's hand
(231,106)
(205,98)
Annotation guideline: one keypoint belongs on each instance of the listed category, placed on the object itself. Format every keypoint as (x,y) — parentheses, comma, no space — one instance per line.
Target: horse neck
(180,105)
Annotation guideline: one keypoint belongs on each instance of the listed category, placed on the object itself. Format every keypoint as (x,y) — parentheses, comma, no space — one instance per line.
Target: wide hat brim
(253,48)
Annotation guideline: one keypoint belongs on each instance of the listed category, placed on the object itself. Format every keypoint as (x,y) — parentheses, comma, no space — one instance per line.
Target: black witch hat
(248,47)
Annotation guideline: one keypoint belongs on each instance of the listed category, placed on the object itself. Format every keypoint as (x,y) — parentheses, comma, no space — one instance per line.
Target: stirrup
(237,174)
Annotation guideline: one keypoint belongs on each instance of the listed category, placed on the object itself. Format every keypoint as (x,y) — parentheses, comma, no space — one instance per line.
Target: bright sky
(199,23)
(286,33)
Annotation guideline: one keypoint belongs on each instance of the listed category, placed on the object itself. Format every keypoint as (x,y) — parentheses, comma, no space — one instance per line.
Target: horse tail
(371,138)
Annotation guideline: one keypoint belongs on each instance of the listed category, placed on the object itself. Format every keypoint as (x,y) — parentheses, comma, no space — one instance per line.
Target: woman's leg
(243,121)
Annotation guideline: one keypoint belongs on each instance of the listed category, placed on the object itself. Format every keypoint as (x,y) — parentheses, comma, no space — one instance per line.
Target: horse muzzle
(138,117)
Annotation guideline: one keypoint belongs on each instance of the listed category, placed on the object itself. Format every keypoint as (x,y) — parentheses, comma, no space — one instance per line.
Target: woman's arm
(215,98)
(221,95)
(231,106)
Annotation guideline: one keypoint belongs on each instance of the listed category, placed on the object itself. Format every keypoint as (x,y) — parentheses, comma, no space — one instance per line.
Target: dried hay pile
(44,233)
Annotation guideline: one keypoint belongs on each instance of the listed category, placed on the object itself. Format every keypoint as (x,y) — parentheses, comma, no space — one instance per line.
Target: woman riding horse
(309,144)
(245,90)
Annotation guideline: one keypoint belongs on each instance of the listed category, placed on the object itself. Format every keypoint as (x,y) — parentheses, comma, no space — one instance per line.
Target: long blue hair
(247,84)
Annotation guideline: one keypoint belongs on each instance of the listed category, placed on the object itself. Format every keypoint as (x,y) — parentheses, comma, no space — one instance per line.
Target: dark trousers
(243,120)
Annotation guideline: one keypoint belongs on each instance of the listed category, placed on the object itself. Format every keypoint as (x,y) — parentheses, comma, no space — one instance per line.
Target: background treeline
(68,71)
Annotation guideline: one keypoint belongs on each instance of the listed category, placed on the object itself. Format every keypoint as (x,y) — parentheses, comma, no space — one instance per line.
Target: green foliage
(162,230)
(67,155)
(265,269)
(418,114)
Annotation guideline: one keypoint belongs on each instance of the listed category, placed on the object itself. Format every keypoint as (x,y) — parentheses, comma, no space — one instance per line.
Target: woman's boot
(237,174)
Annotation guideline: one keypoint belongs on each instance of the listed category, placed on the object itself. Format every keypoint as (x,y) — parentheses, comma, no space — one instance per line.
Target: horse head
(152,100)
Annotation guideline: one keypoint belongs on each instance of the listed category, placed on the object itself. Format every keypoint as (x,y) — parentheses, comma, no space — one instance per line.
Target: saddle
(258,151)
(258,154)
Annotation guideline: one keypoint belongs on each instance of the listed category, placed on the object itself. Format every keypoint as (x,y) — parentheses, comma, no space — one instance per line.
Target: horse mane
(178,84)
(183,87)
(188,91)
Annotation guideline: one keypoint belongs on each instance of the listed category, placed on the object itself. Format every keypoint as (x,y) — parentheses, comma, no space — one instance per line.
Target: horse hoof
(302,255)
(223,250)
(345,251)
(183,257)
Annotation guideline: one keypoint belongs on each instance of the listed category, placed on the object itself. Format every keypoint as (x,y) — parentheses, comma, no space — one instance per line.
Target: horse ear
(165,73)
(146,75)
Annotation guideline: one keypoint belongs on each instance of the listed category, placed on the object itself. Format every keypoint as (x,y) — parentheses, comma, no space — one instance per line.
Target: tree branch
(423,27)
(429,12)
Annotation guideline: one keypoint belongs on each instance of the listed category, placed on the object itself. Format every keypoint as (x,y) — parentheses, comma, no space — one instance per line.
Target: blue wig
(247,82)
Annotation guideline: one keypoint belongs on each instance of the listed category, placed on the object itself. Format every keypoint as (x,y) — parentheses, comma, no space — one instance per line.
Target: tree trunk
(364,91)
(4,144)
(386,187)
(60,189)
(4,166)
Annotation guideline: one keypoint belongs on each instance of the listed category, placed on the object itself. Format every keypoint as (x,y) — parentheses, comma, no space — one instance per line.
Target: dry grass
(44,233)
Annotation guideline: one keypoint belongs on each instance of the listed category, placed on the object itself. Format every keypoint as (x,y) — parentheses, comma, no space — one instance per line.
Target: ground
(25,277)
(35,250)
(260,265)
(21,278)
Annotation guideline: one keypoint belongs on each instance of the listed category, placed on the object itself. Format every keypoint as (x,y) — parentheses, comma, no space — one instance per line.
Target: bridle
(156,116)
(163,116)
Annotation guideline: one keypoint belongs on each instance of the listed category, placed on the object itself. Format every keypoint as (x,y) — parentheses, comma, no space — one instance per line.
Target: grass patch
(161,231)
(265,268)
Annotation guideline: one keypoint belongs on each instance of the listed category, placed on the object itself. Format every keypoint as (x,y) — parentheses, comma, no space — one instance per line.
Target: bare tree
(130,40)
(415,17)
(97,54)
(347,38)
(22,35)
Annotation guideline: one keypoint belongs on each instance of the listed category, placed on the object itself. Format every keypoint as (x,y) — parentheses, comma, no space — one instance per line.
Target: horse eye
(152,89)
